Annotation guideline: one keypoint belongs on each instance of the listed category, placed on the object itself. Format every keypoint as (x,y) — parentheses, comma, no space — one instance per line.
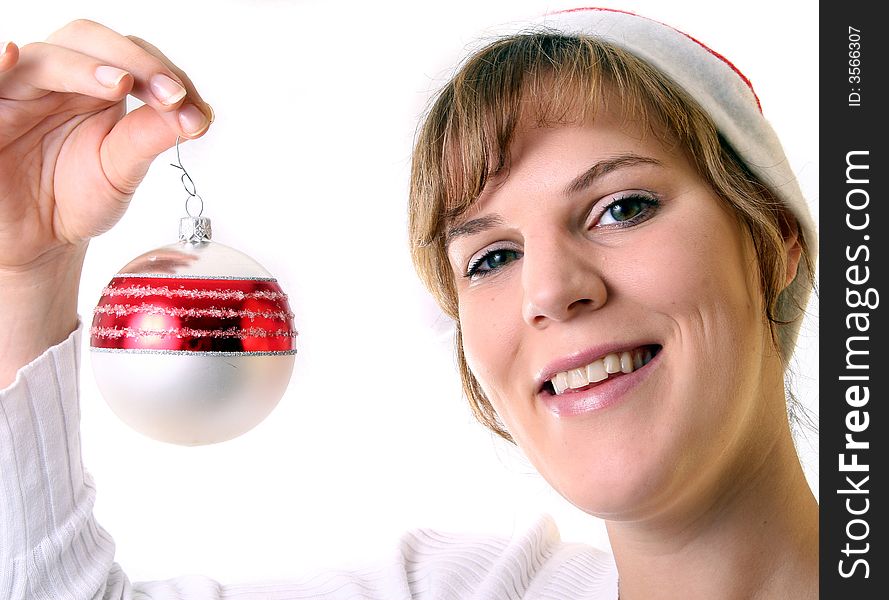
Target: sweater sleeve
(50,544)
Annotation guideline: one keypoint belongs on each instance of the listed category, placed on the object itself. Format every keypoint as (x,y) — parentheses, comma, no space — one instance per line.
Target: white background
(306,169)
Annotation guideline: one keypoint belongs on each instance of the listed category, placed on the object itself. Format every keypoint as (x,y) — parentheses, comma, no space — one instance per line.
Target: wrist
(38,307)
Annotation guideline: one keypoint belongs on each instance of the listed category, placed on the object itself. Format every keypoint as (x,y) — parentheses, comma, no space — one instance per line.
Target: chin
(629,493)
(613,475)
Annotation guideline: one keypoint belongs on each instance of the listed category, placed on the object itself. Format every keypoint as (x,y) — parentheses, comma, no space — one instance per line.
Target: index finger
(192,92)
(168,91)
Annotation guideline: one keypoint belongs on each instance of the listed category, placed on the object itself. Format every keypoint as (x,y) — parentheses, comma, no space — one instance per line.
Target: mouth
(604,368)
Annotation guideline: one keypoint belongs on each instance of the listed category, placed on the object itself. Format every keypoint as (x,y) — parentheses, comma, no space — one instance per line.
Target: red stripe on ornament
(187,332)
(197,315)
(122,310)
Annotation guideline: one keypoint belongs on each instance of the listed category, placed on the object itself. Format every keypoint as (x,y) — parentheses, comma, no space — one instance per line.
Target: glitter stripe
(141,291)
(188,332)
(122,310)
(206,277)
(192,352)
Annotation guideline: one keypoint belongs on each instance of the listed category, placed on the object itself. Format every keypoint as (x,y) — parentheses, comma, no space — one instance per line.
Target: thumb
(92,194)
(131,146)
(9,55)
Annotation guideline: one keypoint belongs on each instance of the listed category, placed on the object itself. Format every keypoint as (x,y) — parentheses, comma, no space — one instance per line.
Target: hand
(70,159)
(70,156)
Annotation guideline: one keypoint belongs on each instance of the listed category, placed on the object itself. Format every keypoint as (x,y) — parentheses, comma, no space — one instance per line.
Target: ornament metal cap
(195,230)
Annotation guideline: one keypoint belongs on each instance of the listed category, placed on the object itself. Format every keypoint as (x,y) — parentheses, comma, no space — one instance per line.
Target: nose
(559,281)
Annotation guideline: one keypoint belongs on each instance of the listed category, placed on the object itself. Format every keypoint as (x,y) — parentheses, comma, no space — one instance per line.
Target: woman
(581,221)
(626,282)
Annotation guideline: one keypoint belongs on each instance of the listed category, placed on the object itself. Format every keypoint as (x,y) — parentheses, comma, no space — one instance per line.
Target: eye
(629,209)
(490,261)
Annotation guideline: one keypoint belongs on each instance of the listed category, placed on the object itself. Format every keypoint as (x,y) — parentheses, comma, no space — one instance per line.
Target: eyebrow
(578,184)
(473,226)
(603,167)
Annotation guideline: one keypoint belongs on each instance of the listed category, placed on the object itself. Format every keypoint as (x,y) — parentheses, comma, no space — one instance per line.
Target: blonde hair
(558,79)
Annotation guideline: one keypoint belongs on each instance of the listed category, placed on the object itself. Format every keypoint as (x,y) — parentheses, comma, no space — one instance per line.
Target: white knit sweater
(52,548)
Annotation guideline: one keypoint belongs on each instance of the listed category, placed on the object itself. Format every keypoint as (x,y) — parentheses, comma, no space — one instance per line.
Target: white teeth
(595,371)
(598,370)
(626,362)
(577,378)
(560,382)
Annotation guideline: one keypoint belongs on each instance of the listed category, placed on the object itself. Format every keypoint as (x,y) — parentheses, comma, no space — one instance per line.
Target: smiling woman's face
(603,250)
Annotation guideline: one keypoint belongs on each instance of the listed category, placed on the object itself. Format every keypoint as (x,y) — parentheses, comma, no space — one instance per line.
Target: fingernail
(110,77)
(166,90)
(192,120)
(212,112)
(4,46)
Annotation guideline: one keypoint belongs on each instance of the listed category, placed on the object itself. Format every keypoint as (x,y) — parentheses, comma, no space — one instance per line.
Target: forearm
(38,307)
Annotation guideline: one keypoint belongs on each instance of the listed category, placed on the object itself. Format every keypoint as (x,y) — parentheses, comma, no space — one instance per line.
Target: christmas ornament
(192,343)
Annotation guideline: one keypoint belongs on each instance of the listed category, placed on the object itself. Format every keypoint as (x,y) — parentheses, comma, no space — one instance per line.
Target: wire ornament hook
(189,185)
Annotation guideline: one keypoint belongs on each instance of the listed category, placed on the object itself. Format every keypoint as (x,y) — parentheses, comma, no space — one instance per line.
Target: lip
(583,358)
(599,395)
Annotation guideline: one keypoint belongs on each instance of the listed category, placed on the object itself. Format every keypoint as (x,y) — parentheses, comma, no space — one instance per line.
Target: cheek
(706,290)
(489,338)
(718,330)
(709,275)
